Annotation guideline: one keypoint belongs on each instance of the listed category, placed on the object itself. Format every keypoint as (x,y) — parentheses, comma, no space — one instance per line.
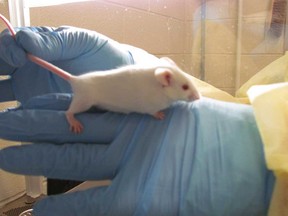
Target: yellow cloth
(210,91)
(270,104)
(275,72)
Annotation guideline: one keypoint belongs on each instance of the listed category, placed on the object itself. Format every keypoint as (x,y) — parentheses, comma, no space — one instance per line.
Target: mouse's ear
(164,76)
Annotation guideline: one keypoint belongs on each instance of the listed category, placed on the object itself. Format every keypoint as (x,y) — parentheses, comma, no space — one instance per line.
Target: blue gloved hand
(205,158)
(75,50)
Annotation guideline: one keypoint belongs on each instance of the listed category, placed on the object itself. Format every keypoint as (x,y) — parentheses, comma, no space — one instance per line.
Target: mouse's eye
(185,87)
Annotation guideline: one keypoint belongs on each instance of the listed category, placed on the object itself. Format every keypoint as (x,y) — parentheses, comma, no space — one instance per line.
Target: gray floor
(17,206)
(23,203)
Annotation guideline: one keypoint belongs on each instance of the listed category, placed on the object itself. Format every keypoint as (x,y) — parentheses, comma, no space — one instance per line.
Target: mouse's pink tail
(8,24)
(58,71)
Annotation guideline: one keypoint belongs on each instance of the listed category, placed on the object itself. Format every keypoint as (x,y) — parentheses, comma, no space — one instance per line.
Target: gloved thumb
(41,44)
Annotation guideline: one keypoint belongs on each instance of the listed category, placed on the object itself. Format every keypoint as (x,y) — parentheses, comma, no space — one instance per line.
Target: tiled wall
(257,49)
(3,11)
(154,25)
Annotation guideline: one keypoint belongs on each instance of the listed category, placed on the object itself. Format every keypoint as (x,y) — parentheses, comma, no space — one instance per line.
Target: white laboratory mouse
(133,88)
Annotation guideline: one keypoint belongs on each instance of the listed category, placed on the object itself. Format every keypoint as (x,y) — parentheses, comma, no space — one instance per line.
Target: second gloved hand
(72,49)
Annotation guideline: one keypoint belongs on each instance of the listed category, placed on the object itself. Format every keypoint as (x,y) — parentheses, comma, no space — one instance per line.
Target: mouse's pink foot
(75,125)
(159,115)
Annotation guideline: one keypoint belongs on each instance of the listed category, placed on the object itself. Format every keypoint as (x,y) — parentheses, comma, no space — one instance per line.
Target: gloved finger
(52,126)
(73,160)
(6,90)
(56,101)
(75,50)
(83,203)
(67,161)
(62,44)
(10,52)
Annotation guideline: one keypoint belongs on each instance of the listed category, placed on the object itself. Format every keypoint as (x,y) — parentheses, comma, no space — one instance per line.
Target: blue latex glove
(205,158)
(75,50)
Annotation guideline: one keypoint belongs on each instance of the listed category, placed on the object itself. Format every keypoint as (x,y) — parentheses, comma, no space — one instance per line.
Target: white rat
(133,88)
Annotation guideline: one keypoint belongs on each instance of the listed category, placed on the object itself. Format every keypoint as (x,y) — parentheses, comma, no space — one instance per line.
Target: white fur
(134,88)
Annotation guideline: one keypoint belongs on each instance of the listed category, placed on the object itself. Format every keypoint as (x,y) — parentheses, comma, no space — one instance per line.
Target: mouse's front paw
(159,115)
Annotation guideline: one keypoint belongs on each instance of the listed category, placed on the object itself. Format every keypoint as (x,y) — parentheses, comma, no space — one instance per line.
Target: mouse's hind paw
(76,128)
(75,125)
